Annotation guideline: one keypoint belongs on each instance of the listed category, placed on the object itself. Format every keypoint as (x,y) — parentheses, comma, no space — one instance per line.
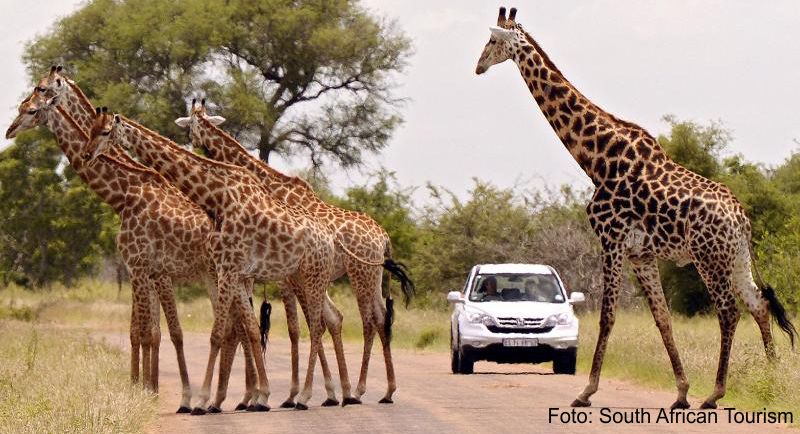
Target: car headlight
(480,318)
(562,318)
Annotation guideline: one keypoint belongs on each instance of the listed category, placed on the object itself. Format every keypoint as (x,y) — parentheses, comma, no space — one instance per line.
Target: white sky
(734,61)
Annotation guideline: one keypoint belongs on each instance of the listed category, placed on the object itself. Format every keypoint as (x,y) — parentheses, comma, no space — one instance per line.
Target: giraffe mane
(174,146)
(79,92)
(296,180)
(550,64)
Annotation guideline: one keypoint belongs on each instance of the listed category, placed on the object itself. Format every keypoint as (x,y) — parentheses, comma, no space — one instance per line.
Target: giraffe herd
(226,219)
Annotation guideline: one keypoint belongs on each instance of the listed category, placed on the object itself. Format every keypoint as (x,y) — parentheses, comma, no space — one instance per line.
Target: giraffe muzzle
(11,132)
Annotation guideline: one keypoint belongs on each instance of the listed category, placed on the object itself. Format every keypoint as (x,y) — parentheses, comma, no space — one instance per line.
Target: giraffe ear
(117,119)
(216,120)
(183,122)
(52,101)
(501,34)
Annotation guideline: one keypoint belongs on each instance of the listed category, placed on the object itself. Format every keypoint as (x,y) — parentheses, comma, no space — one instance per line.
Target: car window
(542,288)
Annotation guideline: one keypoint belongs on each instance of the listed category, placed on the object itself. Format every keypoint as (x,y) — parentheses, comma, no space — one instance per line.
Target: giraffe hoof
(578,403)
(198,411)
(330,402)
(214,409)
(386,401)
(258,408)
(242,406)
(288,404)
(183,409)
(708,406)
(680,404)
(300,406)
(350,401)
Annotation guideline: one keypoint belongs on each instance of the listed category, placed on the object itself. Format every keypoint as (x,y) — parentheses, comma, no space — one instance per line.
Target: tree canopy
(312,78)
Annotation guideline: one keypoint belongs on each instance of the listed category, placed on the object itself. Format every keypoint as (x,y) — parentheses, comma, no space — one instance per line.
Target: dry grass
(54,381)
(636,353)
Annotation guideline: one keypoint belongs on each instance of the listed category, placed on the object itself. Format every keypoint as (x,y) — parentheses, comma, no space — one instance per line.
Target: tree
(312,77)
(50,221)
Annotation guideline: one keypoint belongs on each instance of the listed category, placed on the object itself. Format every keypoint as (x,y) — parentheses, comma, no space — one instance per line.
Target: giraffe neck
(220,146)
(82,112)
(604,146)
(107,177)
(203,181)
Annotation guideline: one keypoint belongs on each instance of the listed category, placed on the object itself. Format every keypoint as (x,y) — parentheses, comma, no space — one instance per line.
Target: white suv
(513,313)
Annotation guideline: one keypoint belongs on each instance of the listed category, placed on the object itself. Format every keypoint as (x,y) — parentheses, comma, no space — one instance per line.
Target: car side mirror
(577,297)
(454,297)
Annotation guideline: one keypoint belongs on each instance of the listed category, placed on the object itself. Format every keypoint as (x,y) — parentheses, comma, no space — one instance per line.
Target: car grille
(519,325)
(526,330)
(520,322)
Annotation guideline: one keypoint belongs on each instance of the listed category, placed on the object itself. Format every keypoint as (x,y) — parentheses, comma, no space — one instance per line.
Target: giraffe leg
(333,320)
(155,333)
(222,310)
(330,388)
(248,319)
(365,284)
(391,385)
(290,305)
(250,375)
(312,309)
(612,272)
(227,355)
(646,270)
(136,343)
(166,295)
(141,301)
(719,285)
(751,296)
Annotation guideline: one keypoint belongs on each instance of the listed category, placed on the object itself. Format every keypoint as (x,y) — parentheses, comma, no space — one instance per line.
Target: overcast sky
(734,61)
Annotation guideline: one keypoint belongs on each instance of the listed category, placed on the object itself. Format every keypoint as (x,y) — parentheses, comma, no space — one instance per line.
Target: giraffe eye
(40,89)
(32,112)
(105,133)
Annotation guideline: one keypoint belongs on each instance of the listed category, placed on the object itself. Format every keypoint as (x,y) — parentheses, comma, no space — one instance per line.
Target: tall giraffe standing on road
(645,207)
(254,237)
(357,232)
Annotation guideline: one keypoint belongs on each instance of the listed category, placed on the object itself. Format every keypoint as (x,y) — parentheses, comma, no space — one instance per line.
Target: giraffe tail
(388,320)
(779,313)
(264,324)
(400,272)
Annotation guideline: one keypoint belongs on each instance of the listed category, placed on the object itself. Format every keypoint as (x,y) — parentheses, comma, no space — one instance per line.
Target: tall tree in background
(311,78)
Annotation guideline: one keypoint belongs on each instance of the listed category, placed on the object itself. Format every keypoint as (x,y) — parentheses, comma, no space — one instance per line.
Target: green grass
(58,381)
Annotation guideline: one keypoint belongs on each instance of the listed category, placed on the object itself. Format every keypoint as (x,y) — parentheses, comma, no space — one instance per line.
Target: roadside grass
(58,381)
(635,352)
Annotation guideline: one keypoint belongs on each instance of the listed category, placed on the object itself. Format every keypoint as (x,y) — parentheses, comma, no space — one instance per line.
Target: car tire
(465,363)
(454,361)
(564,362)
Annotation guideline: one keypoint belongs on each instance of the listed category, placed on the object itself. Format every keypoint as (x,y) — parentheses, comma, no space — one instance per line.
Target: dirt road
(497,399)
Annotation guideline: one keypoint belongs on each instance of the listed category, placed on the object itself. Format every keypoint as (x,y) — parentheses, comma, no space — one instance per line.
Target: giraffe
(140,197)
(254,237)
(72,98)
(143,254)
(357,231)
(645,207)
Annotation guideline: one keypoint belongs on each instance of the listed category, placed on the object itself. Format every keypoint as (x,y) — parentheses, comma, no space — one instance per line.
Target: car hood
(519,309)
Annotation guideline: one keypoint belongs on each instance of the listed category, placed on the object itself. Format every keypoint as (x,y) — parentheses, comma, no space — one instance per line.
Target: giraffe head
(192,122)
(53,84)
(104,132)
(33,111)
(503,41)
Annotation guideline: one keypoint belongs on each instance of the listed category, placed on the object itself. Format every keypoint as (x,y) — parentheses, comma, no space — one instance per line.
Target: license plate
(520,342)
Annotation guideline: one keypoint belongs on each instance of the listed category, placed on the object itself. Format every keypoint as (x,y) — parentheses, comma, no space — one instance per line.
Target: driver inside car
(489,288)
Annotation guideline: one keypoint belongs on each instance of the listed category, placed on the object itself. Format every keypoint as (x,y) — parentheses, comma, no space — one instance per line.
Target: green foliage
(310,77)
(50,222)
(389,206)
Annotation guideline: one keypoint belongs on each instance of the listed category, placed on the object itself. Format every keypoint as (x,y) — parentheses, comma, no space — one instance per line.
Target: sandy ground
(429,399)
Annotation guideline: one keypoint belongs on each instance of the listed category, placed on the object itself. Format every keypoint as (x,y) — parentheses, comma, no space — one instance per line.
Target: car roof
(514,268)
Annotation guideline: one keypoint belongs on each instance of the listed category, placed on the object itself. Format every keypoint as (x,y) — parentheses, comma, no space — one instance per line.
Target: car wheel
(465,364)
(564,362)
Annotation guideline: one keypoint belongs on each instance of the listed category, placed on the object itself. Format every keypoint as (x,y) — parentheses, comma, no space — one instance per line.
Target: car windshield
(516,287)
